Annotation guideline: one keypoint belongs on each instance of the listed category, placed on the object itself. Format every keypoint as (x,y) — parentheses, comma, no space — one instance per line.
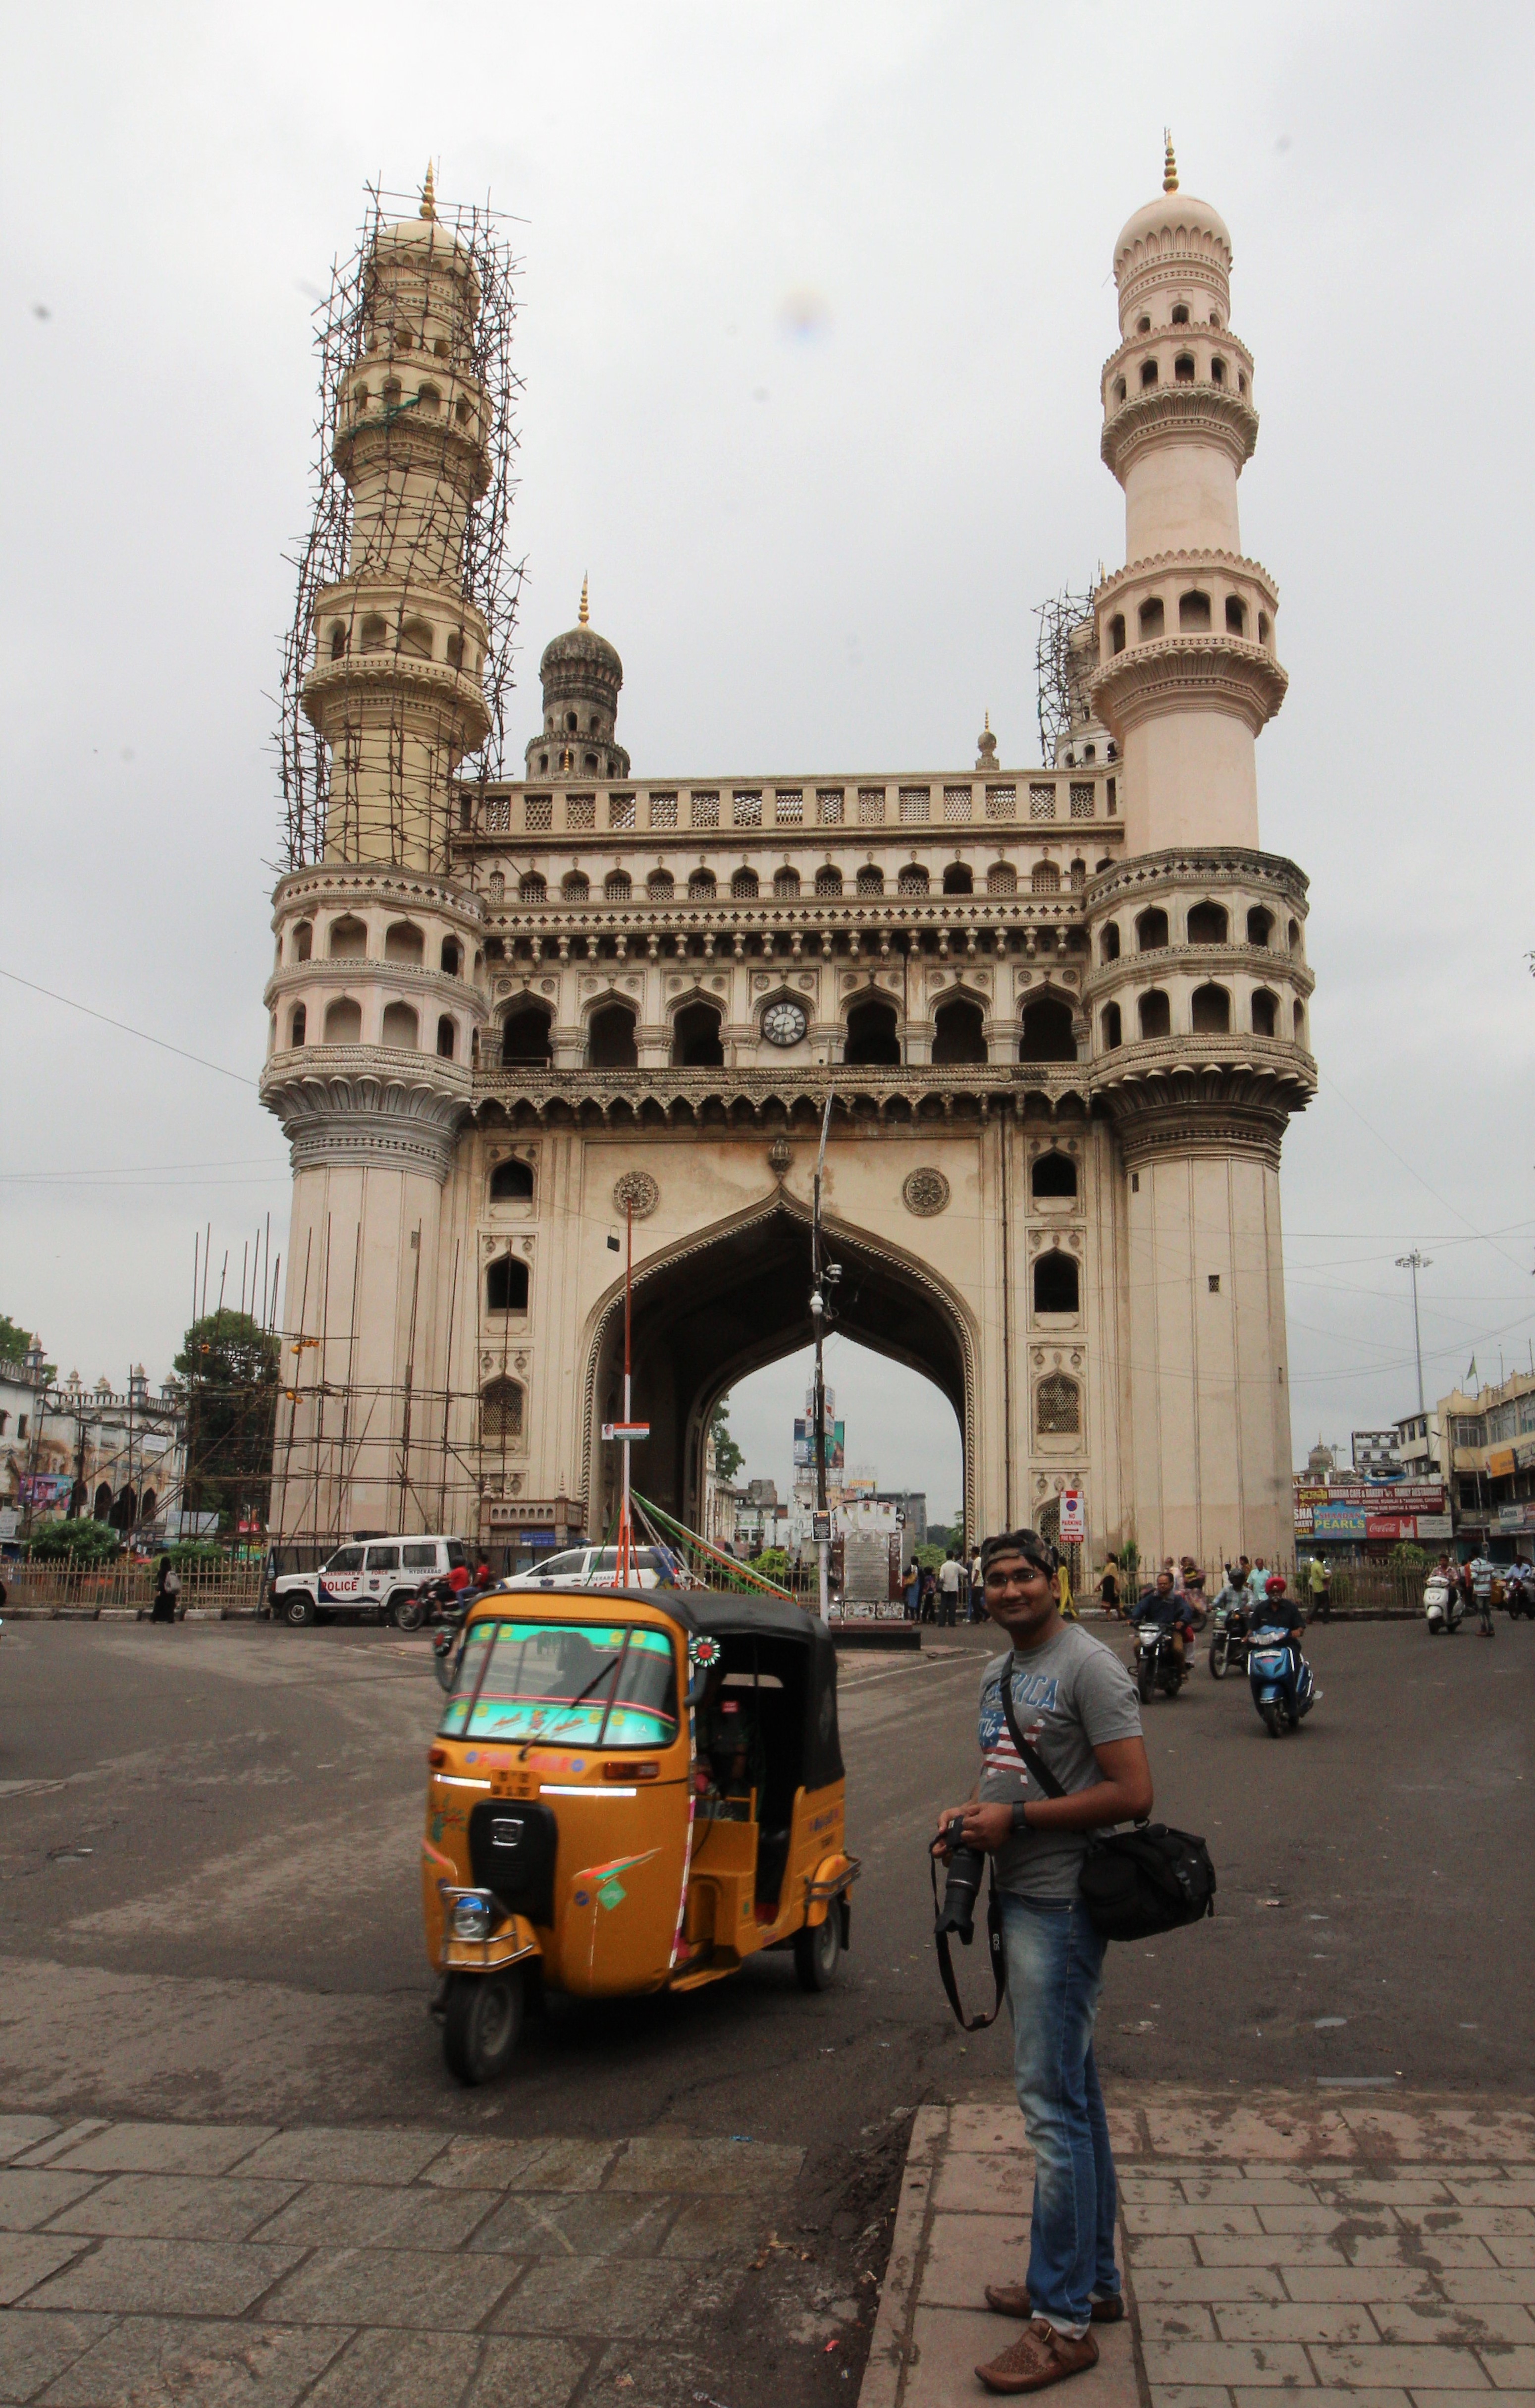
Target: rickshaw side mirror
(444,1662)
(697,1686)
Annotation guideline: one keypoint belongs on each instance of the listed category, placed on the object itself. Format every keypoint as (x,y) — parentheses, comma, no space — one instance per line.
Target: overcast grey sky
(815,301)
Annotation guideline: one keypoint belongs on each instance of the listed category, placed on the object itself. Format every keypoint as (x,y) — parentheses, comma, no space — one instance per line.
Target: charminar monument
(1061,1010)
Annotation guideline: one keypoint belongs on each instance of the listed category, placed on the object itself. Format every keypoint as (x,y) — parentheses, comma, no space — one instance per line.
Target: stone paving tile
(1465,2134)
(1253,2190)
(168,2278)
(1278,2249)
(1168,2319)
(721,2228)
(1300,2320)
(600,2298)
(1458,2399)
(164,2148)
(170,2207)
(1370,2190)
(1475,2284)
(28,2200)
(1198,2219)
(521,2165)
(982,2186)
(365,2216)
(668,2162)
(27,2258)
(1432,2367)
(421,2289)
(19,2132)
(1365,2283)
(1512,2370)
(1287,2221)
(1468,2219)
(1511,2249)
(1403,2248)
(399,2370)
(967,2252)
(1194,2395)
(1323,2396)
(606,2224)
(531,2373)
(34,2349)
(317,2153)
(1246,2132)
(985,2128)
(1208,2283)
(1159,2249)
(1148,2190)
(1491,2190)
(155,2362)
(1260,2363)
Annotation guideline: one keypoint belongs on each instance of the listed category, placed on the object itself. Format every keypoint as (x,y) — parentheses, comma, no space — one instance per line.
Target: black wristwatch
(1020,1822)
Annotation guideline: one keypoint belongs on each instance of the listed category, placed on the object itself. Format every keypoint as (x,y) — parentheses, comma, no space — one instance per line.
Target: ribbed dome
(583,644)
(1174,224)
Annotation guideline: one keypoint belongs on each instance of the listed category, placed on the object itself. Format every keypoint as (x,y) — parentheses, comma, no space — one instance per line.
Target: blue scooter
(1283,1691)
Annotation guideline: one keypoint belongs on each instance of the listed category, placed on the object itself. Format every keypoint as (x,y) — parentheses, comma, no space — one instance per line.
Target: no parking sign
(1073,1522)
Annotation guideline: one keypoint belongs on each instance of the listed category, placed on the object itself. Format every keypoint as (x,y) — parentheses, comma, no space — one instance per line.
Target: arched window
(1045,879)
(1210,1012)
(147,1504)
(428,399)
(1236,616)
(872,1036)
(572,723)
(871,880)
(700,886)
(1300,1023)
(1108,942)
(1121,391)
(1295,935)
(525,1035)
(1154,1014)
(1054,1175)
(401,1027)
(1183,367)
(1148,372)
(958,880)
(511,1183)
(454,650)
(298,1025)
(695,1038)
(1057,1286)
(577,887)
(1263,626)
(610,1038)
(1151,931)
(303,941)
(1142,326)
(1151,620)
(744,886)
(344,1021)
(1207,924)
(499,1411)
(958,1032)
(452,958)
(416,639)
(1116,632)
(1180,313)
(660,887)
(1194,614)
(498,888)
(1047,1031)
(348,940)
(617,886)
(1079,874)
(1113,1027)
(786,884)
(913,880)
(507,1285)
(101,1506)
(374,632)
(1001,879)
(338,642)
(589,765)
(1265,1013)
(1217,367)
(447,1037)
(1259,926)
(828,879)
(405,942)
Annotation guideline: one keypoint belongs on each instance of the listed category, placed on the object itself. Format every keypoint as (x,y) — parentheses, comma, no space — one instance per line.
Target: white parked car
(598,1567)
(382,1578)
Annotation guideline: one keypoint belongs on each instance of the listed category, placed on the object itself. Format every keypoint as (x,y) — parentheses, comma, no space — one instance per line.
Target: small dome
(582,643)
(1174,223)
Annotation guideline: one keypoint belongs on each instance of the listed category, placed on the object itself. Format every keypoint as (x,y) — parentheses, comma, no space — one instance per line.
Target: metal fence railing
(128,1588)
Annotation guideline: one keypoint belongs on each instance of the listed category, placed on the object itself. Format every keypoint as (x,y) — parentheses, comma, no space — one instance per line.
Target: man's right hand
(941,1848)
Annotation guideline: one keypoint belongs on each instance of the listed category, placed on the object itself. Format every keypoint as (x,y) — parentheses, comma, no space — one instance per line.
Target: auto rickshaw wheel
(817,1949)
(482,2016)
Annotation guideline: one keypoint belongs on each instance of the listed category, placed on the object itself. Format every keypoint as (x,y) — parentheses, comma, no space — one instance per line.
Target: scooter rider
(1277,1610)
(1174,1614)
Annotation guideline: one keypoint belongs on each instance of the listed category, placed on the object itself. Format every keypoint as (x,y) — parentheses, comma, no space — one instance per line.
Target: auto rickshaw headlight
(471,1918)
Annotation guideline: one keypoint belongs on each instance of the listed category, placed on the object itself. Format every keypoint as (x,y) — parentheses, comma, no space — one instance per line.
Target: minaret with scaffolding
(392,680)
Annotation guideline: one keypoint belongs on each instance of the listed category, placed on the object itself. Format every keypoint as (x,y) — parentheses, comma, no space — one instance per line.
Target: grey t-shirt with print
(1068,1696)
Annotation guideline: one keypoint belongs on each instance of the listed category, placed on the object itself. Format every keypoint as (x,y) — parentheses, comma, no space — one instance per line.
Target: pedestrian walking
(1479,1573)
(1108,1588)
(1319,1583)
(951,1574)
(911,1592)
(1075,1704)
(975,1590)
(168,1588)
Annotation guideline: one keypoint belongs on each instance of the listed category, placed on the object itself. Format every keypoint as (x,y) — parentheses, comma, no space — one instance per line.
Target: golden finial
(429,198)
(585,620)
(1170,164)
(989,723)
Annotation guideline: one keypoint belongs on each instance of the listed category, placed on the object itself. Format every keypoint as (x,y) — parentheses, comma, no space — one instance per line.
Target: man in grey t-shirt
(1075,1706)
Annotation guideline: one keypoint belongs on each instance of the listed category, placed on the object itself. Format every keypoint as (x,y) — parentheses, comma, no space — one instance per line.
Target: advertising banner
(1338,1521)
(1433,1526)
(1376,1496)
(1500,1463)
(1391,1526)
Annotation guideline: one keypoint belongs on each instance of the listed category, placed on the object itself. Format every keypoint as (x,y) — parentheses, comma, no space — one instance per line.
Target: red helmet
(1275,1584)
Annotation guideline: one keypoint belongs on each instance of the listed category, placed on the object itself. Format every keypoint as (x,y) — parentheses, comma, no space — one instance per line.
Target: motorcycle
(1156,1664)
(1284,1690)
(1231,1641)
(1443,1608)
(1517,1600)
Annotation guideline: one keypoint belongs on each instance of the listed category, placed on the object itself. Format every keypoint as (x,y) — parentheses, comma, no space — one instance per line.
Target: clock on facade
(783,1023)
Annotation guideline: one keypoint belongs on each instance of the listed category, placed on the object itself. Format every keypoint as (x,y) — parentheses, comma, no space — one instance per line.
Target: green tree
(728,1457)
(87,1541)
(231,1366)
(14,1341)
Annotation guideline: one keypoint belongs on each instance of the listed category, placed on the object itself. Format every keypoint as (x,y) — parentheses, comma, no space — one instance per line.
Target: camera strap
(1031,1758)
(994,1945)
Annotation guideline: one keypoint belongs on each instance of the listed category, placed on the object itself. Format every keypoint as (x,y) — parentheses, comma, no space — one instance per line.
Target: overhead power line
(143,1034)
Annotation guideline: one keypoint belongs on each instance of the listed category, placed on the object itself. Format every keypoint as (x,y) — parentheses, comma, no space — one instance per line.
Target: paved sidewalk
(143,2265)
(1356,2245)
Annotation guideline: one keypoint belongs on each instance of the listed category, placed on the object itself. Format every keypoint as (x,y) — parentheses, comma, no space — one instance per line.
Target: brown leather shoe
(1012,2299)
(1037,2358)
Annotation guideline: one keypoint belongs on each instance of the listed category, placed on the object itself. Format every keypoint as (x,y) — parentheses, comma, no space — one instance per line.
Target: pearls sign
(635,1190)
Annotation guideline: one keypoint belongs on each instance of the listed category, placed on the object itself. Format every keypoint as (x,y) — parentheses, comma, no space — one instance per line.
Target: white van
(382,1578)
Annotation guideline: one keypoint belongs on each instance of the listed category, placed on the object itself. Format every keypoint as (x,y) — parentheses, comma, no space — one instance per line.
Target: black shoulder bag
(1133,1883)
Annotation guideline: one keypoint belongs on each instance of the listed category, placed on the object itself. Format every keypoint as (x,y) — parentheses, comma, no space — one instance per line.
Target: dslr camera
(966,1866)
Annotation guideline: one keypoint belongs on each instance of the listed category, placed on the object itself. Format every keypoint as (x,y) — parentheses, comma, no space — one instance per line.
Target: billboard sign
(1338,1521)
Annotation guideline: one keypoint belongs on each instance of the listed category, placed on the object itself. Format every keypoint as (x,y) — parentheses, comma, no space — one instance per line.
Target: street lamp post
(820,1316)
(1414,1262)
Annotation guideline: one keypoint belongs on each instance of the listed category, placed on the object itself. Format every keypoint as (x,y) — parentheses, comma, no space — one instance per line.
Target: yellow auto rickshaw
(629,1791)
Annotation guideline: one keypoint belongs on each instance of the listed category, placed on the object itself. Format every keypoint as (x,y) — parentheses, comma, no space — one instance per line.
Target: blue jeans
(1055,1978)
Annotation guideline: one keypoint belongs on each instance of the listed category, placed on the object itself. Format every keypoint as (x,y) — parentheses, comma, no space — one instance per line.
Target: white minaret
(1198,992)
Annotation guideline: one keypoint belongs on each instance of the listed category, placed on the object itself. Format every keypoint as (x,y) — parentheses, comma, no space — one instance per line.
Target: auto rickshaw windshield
(587,1685)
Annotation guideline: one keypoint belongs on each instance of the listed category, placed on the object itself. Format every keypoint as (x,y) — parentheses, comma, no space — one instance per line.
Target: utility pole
(1414,1262)
(820,1316)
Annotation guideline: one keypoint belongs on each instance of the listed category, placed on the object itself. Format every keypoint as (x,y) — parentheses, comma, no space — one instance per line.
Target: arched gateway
(1059,1011)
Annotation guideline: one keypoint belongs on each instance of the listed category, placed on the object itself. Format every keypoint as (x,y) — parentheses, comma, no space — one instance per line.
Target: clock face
(783,1023)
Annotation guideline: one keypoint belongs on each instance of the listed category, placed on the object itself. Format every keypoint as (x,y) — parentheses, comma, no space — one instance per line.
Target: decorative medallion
(925,1192)
(784,1022)
(638,1190)
(780,1157)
